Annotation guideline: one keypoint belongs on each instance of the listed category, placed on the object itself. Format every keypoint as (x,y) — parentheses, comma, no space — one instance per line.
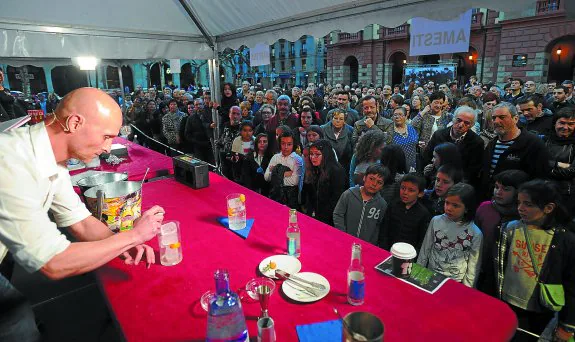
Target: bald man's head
(89,119)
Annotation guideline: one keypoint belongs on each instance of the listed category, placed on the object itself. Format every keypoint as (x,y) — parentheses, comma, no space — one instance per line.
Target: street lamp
(559,51)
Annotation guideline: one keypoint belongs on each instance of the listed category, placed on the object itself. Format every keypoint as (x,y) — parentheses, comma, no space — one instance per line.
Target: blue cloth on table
(323,331)
(224,221)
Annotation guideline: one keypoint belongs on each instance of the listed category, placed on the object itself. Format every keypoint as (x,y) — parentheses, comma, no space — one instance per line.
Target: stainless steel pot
(100,179)
(119,204)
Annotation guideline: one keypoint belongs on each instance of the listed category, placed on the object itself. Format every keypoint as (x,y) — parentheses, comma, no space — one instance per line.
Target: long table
(162,303)
(138,160)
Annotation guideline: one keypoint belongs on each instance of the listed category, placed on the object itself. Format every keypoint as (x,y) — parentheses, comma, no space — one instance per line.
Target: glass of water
(170,243)
(236,211)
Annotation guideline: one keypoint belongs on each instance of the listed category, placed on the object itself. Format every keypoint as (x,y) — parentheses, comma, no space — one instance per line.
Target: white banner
(430,37)
(259,55)
(175,66)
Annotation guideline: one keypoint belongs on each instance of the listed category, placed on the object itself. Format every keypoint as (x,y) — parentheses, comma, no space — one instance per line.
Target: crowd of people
(467,174)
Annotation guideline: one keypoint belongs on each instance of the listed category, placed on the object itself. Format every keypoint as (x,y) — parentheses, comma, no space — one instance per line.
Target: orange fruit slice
(273,265)
(230,212)
(175,245)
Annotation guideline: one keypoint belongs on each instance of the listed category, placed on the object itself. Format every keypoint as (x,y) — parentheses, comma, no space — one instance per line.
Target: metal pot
(100,179)
(116,204)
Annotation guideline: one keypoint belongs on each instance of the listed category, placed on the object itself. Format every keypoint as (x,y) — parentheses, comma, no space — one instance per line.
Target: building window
(291,49)
(282,65)
(303,64)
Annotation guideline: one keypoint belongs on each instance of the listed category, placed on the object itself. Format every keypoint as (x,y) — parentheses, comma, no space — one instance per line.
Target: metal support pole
(213,67)
(119,66)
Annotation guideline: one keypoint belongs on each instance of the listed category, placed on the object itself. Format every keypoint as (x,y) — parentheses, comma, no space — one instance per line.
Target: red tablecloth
(162,303)
(138,160)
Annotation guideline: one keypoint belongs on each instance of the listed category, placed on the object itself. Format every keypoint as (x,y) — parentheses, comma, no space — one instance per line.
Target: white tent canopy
(187,29)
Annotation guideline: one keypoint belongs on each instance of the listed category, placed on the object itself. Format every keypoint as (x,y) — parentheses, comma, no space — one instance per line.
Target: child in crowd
(255,164)
(327,181)
(452,244)
(244,143)
(285,172)
(546,226)
(245,106)
(360,209)
(406,218)
(491,215)
(446,177)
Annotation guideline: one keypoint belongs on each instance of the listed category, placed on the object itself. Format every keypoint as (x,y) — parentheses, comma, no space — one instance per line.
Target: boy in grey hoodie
(360,209)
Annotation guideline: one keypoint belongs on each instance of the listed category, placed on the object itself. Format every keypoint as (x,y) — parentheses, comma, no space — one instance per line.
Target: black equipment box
(191,172)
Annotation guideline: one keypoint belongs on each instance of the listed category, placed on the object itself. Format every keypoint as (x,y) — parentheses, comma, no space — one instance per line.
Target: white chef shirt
(31,184)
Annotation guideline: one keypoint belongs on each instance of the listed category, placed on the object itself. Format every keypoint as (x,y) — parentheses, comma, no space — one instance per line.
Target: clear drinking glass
(236,211)
(266,330)
(170,243)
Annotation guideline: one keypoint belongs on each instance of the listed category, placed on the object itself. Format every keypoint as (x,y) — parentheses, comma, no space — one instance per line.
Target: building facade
(291,63)
(61,76)
(541,41)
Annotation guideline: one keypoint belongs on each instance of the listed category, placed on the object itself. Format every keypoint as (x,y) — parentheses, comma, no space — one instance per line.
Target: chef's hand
(139,251)
(148,225)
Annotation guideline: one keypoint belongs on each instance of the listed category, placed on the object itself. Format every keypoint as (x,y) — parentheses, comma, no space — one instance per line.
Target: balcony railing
(401,31)
(350,38)
(549,7)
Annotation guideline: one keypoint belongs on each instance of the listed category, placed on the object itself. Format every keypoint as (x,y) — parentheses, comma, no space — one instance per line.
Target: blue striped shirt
(500,147)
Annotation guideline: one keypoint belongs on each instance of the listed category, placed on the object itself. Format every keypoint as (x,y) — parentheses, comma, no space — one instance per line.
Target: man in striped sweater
(513,148)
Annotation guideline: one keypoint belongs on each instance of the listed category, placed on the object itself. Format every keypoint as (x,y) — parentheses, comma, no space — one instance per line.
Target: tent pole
(119,66)
(213,68)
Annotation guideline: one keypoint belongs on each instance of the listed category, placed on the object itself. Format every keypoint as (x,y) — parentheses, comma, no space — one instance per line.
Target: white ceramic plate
(284,262)
(296,293)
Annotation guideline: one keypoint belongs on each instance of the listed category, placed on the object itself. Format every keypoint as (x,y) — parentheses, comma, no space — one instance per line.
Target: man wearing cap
(36,182)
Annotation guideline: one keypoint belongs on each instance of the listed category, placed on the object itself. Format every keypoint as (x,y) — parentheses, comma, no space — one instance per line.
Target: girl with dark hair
(393,157)
(306,119)
(452,244)
(447,176)
(367,152)
(491,215)
(538,249)
(313,134)
(444,153)
(255,164)
(327,181)
(229,99)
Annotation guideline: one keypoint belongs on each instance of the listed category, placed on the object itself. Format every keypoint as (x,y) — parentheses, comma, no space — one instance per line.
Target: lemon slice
(175,245)
(243,198)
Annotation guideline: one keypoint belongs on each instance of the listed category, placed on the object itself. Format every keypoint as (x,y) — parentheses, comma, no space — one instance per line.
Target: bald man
(36,181)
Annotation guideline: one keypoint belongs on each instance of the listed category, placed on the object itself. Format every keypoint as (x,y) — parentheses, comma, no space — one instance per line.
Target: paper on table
(327,331)
(421,277)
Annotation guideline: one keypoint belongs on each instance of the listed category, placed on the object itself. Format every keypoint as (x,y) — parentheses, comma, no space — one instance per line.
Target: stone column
(379,69)
(387,73)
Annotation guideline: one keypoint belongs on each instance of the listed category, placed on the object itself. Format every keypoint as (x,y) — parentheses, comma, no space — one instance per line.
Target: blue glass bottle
(226,321)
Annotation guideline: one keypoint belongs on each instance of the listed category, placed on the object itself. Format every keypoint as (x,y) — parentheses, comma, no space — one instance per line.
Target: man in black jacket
(513,148)
(469,144)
